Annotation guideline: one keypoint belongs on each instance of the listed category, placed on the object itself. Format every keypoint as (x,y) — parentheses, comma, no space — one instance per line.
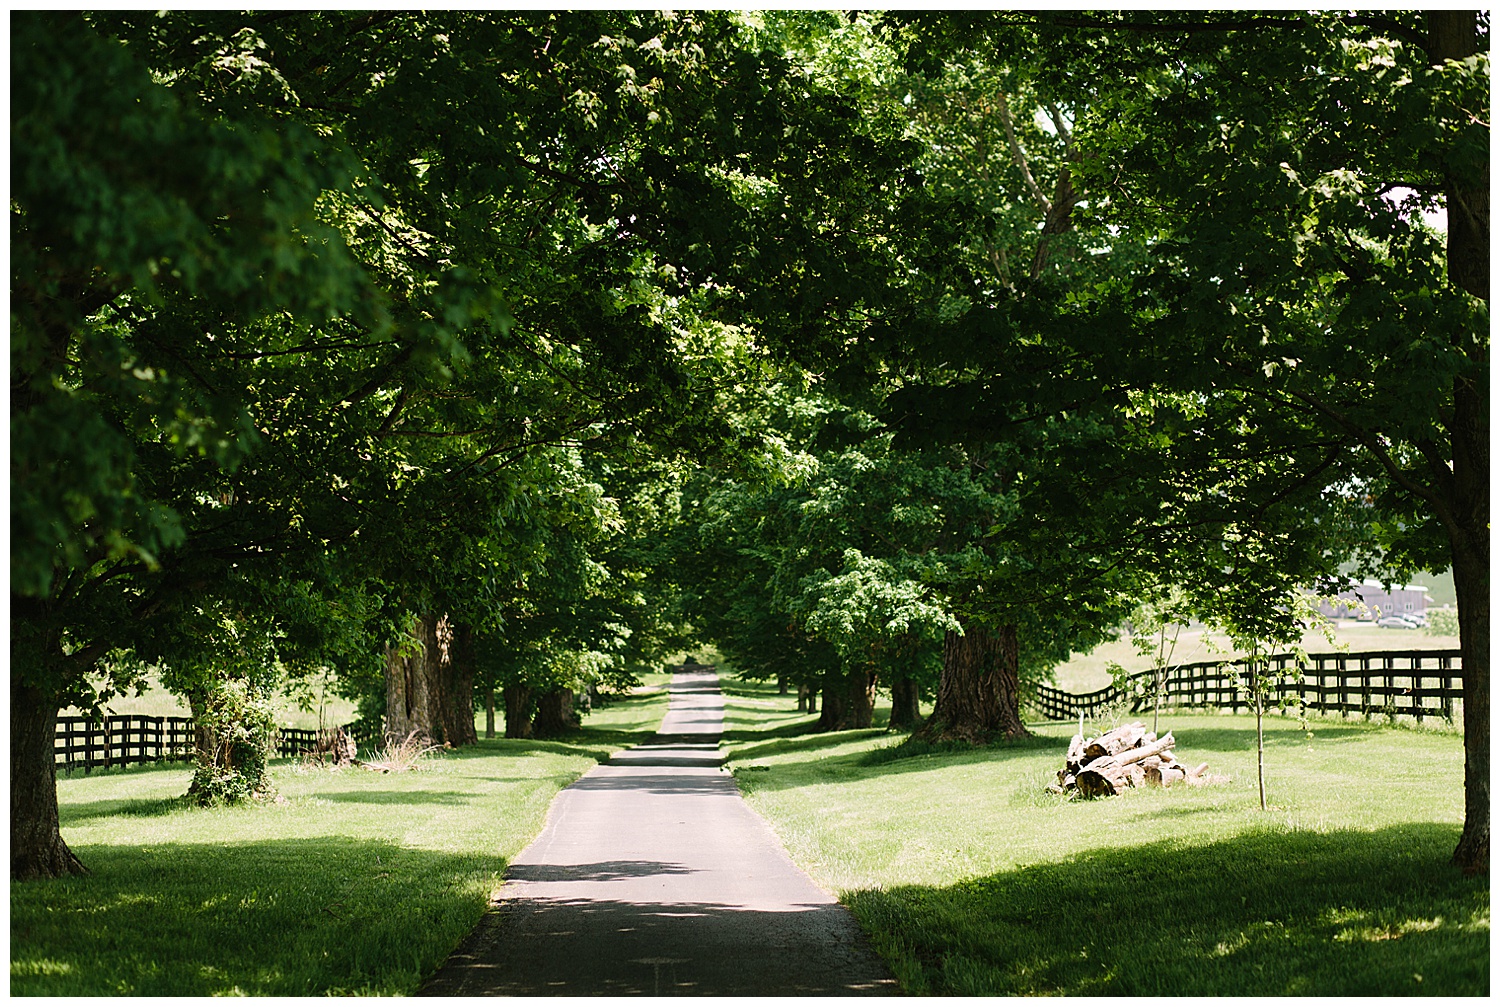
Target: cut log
(1075,753)
(1156,747)
(1115,742)
(1103,776)
(1128,756)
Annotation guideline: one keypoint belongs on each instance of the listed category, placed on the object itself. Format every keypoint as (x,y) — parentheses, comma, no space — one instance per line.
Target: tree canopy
(908,350)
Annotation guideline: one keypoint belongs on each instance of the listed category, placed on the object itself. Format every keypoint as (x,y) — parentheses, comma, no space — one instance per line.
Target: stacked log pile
(1128,756)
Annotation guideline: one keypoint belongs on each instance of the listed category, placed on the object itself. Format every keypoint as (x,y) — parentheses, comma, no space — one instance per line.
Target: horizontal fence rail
(129,739)
(1414,683)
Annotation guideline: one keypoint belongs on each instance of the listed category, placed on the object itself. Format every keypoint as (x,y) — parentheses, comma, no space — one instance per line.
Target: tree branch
(1019,155)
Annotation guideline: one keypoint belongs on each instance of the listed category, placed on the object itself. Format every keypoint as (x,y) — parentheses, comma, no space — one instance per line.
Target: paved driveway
(654,877)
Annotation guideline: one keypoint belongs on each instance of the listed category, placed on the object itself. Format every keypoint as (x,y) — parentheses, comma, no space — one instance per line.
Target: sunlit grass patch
(357,883)
(972,880)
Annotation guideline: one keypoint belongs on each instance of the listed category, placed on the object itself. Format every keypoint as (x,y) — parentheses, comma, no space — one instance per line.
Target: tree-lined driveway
(654,877)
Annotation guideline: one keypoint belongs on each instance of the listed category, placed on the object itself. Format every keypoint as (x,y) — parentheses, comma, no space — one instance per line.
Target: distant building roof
(1394,587)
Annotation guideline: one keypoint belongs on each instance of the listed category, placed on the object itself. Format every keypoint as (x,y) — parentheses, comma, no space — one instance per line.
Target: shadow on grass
(598,745)
(295,917)
(77,811)
(800,742)
(403,797)
(1341,913)
(912,748)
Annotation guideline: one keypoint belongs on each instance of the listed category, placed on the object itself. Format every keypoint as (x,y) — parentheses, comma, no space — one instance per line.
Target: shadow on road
(556,947)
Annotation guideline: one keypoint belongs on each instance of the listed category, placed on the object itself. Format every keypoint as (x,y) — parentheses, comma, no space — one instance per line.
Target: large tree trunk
(979,693)
(431,690)
(37,849)
(458,696)
(833,703)
(517,710)
(848,701)
(906,711)
(554,714)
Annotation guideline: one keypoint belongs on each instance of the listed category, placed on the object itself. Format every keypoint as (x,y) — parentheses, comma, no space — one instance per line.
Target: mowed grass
(971,879)
(359,883)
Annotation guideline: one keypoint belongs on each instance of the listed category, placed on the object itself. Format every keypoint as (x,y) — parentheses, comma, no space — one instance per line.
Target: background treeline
(505,353)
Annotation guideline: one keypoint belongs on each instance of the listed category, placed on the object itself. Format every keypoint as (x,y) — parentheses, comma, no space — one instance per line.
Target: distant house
(1378,602)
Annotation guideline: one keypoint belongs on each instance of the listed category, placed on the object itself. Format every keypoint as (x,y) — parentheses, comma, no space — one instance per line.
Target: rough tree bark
(431,691)
(517,710)
(980,690)
(1469,537)
(457,708)
(906,713)
(37,849)
(848,701)
(554,714)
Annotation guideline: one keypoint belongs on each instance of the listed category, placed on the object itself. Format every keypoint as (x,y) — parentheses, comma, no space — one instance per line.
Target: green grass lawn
(357,883)
(971,879)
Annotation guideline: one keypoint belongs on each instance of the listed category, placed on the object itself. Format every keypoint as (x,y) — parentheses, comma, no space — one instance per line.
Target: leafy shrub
(237,725)
(1442,622)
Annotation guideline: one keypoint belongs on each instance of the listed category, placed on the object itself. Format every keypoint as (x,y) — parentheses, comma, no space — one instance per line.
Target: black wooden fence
(127,739)
(1414,683)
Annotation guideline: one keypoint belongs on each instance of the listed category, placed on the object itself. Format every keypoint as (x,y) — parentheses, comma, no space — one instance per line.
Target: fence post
(1416,684)
(1445,665)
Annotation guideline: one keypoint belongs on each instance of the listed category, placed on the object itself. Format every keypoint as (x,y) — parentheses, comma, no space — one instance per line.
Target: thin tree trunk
(979,693)
(489,713)
(1455,35)
(37,849)
(204,741)
(1471,579)
(1256,685)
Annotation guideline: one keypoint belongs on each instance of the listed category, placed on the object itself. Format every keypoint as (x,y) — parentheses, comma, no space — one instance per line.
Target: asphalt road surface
(654,877)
